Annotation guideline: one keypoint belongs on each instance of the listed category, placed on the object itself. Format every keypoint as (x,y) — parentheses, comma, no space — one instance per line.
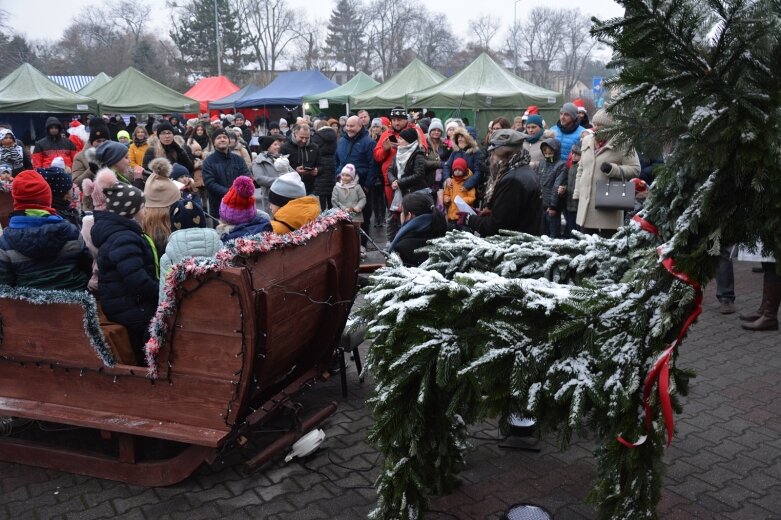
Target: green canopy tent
(27,90)
(97,82)
(487,90)
(394,92)
(132,92)
(360,83)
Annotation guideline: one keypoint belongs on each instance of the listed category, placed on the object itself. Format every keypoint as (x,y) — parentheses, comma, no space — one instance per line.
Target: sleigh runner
(234,341)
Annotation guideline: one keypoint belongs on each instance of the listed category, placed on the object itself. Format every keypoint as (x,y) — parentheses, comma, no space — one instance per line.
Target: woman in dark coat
(127,263)
(325,139)
(421,221)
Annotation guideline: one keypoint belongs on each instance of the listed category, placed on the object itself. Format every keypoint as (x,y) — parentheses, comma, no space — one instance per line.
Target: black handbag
(615,194)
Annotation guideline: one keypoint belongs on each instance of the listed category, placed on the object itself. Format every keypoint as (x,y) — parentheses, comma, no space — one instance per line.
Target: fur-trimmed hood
(471,144)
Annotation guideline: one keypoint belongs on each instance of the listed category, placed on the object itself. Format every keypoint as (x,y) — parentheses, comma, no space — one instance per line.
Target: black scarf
(202,140)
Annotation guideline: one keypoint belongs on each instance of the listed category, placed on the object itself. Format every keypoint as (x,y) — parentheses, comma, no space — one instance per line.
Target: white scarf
(403,153)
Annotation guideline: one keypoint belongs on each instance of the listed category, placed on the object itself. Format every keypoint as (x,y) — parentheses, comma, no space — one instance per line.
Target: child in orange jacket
(454,186)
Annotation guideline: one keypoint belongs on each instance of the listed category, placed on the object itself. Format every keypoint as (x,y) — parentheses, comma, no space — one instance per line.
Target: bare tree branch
(484,29)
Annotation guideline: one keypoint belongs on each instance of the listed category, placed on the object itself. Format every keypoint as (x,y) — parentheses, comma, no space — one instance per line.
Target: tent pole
(347,108)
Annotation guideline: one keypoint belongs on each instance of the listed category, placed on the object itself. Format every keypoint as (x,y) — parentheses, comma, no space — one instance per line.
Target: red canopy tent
(210,89)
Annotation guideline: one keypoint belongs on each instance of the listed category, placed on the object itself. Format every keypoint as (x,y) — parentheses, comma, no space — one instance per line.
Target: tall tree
(484,28)
(578,46)
(542,40)
(436,45)
(392,24)
(269,28)
(345,33)
(310,49)
(194,34)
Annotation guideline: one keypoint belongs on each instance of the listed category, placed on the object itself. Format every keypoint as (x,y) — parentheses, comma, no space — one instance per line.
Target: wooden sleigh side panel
(303,297)
(198,401)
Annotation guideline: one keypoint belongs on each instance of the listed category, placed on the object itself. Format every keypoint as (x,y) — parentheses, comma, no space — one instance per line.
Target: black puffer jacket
(127,281)
(516,205)
(414,178)
(307,156)
(325,139)
(220,169)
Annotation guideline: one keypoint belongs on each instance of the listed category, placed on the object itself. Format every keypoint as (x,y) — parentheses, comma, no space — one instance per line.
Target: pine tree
(567,330)
(345,33)
(195,38)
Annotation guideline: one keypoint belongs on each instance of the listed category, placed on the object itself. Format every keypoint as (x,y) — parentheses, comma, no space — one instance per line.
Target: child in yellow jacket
(454,186)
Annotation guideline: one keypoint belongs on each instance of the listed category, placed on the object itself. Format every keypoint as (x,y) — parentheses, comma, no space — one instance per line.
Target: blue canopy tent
(229,102)
(288,88)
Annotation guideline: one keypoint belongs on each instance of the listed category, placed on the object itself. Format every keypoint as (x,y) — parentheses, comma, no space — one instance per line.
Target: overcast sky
(46,19)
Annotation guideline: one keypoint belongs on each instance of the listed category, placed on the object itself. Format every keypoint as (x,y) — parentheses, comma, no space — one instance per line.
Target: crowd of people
(110,207)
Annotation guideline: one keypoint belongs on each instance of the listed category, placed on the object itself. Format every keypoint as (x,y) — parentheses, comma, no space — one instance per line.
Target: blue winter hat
(186,214)
(534,120)
(177,170)
(60,181)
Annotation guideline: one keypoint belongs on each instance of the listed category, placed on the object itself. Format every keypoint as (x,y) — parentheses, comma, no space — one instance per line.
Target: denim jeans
(553,224)
(725,276)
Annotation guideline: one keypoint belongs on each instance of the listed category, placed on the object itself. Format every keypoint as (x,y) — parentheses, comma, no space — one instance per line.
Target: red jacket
(50,147)
(384,157)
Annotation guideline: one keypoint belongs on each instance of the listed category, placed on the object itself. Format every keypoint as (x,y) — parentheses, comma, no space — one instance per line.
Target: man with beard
(304,156)
(55,144)
(513,198)
(568,129)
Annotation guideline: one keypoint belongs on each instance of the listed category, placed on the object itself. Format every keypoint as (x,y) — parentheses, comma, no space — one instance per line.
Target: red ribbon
(660,371)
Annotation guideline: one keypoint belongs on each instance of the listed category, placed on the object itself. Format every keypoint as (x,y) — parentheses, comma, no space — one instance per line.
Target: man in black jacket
(514,197)
(220,169)
(304,156)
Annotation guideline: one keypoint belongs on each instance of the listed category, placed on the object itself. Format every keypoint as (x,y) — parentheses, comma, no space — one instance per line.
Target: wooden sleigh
(242,342)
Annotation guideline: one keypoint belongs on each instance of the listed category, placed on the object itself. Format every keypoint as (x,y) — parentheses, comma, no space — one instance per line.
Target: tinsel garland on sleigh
(570,331)
(244,247)
(85,299)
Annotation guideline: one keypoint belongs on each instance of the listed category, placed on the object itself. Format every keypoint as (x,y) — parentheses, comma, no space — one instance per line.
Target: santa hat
(579,103)
(238,205)
(31,191)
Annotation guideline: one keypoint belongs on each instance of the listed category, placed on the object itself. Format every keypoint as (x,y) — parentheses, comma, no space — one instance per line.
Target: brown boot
(754,316)
(769,318)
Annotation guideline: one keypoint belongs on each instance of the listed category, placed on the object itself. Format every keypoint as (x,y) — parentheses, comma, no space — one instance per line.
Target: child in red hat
(454,187)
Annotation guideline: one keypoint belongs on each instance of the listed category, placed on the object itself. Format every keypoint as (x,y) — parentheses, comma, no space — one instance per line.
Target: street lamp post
(217,37)
(515,36)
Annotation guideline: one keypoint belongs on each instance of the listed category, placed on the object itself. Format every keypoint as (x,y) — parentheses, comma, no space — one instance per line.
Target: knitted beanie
(60,181)
(31,191)
(436,124)
(602,118)
(571,109)
(375,122)
(534,120)
(217,132)
(177,170)
(238,205)
(123,199)
(409,134)
(460,164)
(164,126)
(285,188)
(186,214)
(349,169)
(159,190)
(110,153)
(104,179)
(123,133)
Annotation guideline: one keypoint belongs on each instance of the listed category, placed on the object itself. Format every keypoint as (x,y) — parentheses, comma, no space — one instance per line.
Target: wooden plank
(184,399)
(153,473)
(60,338)
(121,423)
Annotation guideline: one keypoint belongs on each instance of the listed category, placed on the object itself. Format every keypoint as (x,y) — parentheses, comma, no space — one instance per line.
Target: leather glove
(461,219)
(606,167)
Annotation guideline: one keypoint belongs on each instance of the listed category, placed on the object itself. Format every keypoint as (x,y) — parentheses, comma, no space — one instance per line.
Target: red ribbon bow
(660,371)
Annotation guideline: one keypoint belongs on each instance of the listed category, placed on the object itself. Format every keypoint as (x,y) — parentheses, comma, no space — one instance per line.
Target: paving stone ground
(724,463)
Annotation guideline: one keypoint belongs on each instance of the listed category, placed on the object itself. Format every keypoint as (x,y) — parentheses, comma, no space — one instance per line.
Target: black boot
(769,318)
